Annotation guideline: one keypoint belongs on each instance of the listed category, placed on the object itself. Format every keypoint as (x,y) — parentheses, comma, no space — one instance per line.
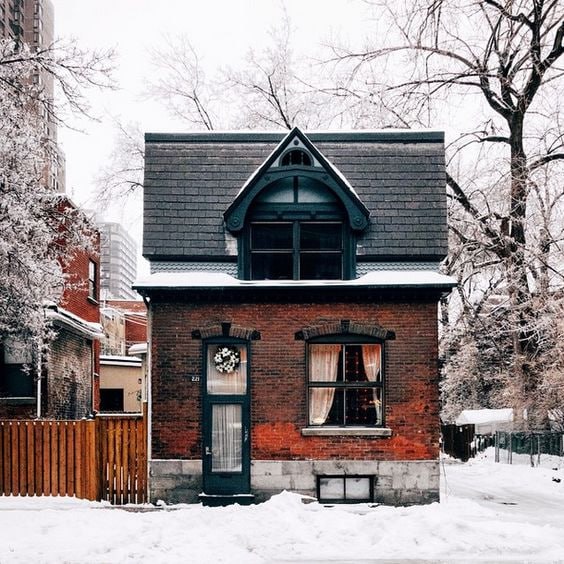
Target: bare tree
(273,87)
(502,61)
(181,84)
(122,175)
(34,222)
(265,92)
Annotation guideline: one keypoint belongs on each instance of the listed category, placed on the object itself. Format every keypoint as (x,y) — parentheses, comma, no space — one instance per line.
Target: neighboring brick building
(68,386)
(123,382)
(293,313)
(135,317)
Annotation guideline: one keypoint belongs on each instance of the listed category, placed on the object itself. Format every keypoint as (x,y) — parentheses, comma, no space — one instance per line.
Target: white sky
(222,32)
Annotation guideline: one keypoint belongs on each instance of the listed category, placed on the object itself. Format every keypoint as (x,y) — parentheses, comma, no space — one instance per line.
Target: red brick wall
(278,379)
(76,300)
(135,329)
(75,297)
(135,319)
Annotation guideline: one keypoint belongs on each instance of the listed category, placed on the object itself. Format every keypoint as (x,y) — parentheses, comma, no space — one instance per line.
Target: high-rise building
(32,22)
(118,262)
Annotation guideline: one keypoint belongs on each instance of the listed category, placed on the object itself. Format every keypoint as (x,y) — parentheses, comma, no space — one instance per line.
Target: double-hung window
(92,280)
(345,384)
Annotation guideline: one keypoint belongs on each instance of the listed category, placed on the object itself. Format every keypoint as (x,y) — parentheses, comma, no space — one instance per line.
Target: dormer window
(296,231)
(297,217)
(296,157)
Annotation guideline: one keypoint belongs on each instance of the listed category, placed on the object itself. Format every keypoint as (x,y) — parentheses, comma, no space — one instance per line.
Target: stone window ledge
(346,431)
(16,401)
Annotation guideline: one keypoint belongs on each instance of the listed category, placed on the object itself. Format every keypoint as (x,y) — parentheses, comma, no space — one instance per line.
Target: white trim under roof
(377,279)
(112,360)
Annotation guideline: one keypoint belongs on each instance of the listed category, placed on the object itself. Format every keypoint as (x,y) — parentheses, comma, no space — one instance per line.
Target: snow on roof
(481,416)
(258,170)
(120,360)
(286,141)
(138,348)
(64,317)
(380,279)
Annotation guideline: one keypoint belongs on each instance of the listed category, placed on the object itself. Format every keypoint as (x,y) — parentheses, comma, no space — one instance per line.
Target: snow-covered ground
(488,512)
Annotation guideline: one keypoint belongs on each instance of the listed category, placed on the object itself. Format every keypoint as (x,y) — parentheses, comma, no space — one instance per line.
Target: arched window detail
(296,157)
(297,230)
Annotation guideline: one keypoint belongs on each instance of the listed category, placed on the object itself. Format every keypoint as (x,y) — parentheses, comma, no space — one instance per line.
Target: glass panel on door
(227,438)
(227,370)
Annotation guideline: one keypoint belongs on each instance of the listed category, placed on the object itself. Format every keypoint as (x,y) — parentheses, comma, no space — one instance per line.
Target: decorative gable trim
(345,327)
(270,170)
(226,330)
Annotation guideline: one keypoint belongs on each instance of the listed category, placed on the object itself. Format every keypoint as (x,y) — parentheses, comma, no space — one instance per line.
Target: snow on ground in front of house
(488,511)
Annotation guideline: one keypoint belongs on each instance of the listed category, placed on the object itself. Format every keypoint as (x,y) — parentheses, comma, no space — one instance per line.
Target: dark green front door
(226,418)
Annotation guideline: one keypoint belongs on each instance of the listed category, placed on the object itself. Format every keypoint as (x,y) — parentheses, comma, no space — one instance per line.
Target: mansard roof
(394,178)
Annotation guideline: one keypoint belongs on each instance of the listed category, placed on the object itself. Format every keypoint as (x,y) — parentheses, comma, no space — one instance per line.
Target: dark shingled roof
(191,180)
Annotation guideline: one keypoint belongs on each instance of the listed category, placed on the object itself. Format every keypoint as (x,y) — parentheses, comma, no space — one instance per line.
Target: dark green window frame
(292,255)
(343,385)
(295,213)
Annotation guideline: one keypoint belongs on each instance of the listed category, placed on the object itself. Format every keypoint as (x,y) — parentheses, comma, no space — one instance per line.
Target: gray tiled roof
(190,180)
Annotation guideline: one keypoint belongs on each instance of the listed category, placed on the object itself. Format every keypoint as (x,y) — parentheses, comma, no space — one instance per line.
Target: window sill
(347,431)
(16,401)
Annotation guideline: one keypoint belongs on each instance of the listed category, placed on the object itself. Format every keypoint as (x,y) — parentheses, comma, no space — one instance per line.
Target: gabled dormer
(296,217)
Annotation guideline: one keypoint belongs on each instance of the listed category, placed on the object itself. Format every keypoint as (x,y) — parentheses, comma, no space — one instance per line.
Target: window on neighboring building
(345,384)
(343,489)
(111,399)
(16,375)
(92,280)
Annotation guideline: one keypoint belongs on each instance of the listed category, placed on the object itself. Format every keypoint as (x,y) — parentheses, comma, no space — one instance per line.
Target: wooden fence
(99,459)
(457,440)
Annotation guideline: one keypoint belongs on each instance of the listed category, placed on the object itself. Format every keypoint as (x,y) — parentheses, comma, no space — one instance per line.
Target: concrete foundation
(396,482)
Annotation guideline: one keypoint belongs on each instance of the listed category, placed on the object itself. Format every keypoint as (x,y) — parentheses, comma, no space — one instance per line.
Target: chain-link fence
(529,447)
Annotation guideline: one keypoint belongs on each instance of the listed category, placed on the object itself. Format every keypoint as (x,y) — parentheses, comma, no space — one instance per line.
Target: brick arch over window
(226,330)
(345,327)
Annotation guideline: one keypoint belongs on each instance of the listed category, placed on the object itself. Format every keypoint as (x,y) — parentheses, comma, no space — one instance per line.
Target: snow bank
(487,512)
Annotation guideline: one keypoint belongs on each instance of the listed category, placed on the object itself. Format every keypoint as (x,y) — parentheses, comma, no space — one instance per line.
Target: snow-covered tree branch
(37,230)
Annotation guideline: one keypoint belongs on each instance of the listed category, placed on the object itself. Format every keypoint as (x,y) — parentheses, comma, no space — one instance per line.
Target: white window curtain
(227,443)
(224,383)
(371,357)
(323,366)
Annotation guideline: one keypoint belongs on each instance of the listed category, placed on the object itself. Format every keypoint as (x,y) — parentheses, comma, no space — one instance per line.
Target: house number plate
(194,378)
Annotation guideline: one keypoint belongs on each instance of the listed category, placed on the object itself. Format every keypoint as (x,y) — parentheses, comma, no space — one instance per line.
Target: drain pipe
(39,376)
(148,397)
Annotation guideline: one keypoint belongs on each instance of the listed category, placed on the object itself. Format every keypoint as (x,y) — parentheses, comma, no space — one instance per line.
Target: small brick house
(66,386)
(293,314)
